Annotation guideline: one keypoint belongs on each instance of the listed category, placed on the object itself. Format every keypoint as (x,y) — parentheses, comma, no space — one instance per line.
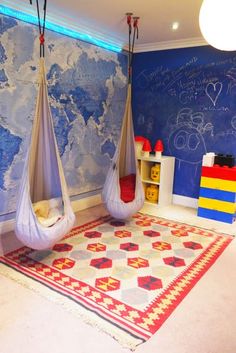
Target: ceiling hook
(128,15)
(135,18)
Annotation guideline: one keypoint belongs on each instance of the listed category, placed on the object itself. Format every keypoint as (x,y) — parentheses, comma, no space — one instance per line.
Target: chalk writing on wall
(187,98)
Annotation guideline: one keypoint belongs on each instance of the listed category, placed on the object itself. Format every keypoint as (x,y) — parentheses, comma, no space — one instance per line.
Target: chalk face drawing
(184,141)
(186,138)
(213,91)
(187,98)
(233,122)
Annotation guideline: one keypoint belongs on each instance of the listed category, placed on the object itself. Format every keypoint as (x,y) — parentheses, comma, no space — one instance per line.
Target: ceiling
(106,19)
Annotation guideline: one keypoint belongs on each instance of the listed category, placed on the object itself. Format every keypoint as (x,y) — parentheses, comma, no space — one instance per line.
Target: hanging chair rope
(135,25)
(129,23)
(41,26)
(135,36)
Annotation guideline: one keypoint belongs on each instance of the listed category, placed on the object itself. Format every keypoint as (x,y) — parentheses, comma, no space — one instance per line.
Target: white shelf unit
(167,165)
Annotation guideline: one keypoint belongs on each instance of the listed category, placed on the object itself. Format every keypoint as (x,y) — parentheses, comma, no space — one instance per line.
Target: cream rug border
(125,339)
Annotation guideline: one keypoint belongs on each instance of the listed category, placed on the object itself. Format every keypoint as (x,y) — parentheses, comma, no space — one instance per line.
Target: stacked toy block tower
(217,197)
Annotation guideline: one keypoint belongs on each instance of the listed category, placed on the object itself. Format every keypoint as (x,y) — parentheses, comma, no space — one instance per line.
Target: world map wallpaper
(87,89)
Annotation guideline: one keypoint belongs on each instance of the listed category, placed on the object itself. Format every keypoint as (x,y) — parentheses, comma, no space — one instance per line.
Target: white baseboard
(77,205)
(7,226)
(82,204)
(185,201)
(87,202)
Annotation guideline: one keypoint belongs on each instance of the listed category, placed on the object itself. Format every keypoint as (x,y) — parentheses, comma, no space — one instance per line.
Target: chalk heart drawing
(213,91)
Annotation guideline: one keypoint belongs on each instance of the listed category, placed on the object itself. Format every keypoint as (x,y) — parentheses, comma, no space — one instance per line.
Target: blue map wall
(187,98)
(87,89)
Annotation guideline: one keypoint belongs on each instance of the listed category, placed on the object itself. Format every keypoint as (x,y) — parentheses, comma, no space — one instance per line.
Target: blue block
(217,194)
(216,215)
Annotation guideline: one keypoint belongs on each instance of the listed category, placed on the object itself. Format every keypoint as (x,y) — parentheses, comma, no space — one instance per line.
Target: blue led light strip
(59,29)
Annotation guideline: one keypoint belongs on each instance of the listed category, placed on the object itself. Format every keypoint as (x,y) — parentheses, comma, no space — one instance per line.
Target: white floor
(205,322)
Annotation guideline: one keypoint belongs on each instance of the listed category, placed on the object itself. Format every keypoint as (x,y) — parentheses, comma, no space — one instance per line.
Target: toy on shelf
(162,188)
(208,159)
(159,148)
(155,172)
(139,141)
(224,159)
(152,192)
(147,148)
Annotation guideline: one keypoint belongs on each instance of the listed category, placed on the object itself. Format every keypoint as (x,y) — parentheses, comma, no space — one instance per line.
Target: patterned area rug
(124,277)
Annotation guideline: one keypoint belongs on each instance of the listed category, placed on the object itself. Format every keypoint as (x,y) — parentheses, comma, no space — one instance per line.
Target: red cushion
(127,187)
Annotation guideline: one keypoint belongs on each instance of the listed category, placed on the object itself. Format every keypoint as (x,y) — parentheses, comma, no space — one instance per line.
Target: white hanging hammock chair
(124,163)
(44,213)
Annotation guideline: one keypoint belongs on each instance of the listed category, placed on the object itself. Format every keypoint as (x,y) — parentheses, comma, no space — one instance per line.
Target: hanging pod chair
(124,167)
(44,213)
(123,193)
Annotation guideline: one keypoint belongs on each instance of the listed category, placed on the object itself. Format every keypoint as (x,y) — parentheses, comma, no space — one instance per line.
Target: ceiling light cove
(63,29)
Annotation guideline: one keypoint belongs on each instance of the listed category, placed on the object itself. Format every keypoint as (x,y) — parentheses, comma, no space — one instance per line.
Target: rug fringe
(123,338)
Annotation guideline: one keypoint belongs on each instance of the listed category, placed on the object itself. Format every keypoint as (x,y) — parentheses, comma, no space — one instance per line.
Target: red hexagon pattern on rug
(107,284)
(138,262)
(129,247)
(132,305)
(179,233)
(122,233)
(93,234)
(143,223)
(63,263)
(161,245)
(151,233)
(102,262)
(174,261)
(149,282)
(192,245)
(62,247)
(96,247)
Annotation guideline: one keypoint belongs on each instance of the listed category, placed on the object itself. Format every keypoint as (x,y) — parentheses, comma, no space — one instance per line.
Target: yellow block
(223,206)
(219,184)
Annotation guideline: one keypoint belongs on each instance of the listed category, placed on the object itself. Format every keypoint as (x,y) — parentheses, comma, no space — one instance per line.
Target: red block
(218,172)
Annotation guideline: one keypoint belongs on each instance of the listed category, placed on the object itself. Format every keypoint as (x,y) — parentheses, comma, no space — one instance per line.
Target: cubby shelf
(150,181)
(165,184)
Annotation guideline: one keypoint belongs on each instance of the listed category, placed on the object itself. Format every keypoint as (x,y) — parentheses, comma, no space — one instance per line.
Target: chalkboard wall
(187,98)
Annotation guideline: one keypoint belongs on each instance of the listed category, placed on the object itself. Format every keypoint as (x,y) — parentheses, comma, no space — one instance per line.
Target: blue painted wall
(187,98)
